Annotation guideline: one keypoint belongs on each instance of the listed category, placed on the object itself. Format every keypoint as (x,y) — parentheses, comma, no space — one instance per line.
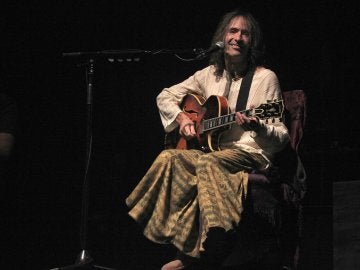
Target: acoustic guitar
(212,117)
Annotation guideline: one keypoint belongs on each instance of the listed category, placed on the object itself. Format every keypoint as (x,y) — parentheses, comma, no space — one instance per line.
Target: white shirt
(271,138)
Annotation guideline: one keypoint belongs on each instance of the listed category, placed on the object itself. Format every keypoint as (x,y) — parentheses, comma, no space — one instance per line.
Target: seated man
(193,198)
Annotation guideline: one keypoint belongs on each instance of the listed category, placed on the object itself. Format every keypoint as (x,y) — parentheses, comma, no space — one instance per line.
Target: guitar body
(199,109)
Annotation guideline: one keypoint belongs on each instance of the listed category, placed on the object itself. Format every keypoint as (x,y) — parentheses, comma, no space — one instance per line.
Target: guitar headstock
(270,110)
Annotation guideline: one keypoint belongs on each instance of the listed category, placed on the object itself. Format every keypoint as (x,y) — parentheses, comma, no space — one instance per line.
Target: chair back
(295,105)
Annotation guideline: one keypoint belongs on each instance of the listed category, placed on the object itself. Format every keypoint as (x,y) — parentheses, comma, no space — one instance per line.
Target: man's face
(237,38)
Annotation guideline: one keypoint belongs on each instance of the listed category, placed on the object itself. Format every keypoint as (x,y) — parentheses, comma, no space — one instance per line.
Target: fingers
(186,126)
(241,118)
(247,123)
(188,130)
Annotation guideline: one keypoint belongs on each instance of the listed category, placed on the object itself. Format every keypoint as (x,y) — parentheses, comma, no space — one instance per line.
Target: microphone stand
(84,260)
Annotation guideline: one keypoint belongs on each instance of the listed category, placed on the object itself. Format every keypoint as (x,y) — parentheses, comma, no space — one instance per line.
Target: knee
(167,154)
(206,160)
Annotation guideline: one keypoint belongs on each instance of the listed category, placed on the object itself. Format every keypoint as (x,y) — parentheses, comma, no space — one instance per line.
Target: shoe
(173,265)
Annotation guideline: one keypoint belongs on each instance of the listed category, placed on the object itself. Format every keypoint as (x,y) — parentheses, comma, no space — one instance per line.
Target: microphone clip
(204,53)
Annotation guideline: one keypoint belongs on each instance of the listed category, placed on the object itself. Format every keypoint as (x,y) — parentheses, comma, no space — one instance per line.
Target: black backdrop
(310,45)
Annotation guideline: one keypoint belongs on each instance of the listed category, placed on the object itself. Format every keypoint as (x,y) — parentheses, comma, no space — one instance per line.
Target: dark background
(311,46)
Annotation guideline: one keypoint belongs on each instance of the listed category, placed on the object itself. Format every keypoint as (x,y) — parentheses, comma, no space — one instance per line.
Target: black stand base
(82,267)
(83,262)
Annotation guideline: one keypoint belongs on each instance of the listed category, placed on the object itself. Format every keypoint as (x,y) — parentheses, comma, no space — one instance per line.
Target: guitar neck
(222,121)
(265,111)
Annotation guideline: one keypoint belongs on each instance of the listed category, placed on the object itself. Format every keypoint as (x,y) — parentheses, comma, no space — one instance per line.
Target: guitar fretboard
(213,123)
(224,120)
(264,111)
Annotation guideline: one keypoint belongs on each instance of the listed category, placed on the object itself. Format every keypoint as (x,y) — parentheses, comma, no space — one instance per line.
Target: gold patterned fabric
(186,192)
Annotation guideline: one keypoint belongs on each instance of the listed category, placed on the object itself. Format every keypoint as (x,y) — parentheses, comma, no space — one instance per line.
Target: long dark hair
(256,54)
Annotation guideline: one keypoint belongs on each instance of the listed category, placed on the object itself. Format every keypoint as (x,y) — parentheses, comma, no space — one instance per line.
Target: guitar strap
(244,90)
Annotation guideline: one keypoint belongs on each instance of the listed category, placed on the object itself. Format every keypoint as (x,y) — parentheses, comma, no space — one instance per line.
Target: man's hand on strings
(186,126)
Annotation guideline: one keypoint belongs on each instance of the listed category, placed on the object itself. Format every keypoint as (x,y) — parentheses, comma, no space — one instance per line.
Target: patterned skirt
(186,192)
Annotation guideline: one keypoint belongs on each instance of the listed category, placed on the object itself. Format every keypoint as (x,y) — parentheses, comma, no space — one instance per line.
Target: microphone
(217,46)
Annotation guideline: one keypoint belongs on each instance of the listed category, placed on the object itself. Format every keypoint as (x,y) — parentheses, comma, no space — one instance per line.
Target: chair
(268,236)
